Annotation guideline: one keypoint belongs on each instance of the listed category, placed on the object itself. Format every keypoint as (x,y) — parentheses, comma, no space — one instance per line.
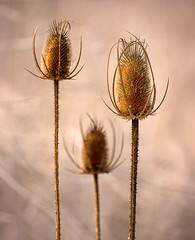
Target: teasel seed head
(94,154)
(95,150)
(133,88)
(56,58)
(57,51)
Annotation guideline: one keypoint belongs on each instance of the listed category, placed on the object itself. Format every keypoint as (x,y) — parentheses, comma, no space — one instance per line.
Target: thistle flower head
(94,156)
(133,84)
(95,150)
(56,58)
(57,51)
(133,88)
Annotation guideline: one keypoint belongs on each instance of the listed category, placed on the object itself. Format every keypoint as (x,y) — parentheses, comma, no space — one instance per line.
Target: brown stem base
(133,179)
(56,158)
(97,201)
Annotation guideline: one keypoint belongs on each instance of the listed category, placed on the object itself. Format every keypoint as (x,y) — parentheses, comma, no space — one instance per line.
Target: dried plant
(56,58)
(56,65)
(133,97)
(95,159)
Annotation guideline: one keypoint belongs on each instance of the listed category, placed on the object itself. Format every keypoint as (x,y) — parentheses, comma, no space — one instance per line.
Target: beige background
(166,177)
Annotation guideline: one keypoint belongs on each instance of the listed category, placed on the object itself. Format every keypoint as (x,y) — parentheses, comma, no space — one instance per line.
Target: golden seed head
(95,150)
(94,154)
(132,81)
(57,52)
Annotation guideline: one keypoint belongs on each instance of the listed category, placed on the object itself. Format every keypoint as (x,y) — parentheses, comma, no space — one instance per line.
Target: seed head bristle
(95,150)
(57,52)
(133,85)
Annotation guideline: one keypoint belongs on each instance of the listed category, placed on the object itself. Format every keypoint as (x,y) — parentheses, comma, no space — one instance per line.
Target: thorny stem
(133,179)
(56,159)
(97,206)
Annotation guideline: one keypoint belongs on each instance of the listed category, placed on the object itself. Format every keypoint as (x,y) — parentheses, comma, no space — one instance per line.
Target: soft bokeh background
(166,177)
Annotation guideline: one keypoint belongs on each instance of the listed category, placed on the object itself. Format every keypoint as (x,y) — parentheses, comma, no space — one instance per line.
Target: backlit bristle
(57,53)
(95,150)
(132,83)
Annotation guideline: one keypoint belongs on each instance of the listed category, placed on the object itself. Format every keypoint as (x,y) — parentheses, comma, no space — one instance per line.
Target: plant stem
(56,159)
(133,179)
(97,206)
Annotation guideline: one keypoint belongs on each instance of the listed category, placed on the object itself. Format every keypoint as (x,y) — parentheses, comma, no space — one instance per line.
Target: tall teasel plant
(56,65)
(133,97)
(95,159)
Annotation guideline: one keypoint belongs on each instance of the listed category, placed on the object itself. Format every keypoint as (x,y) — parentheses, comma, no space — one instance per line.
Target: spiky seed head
(94,154)
(132,81)
(57,51)
(95,150)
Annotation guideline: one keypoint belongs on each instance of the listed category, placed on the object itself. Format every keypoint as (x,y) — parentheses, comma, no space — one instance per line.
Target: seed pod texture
(132,80)
(57,53)
(95,151)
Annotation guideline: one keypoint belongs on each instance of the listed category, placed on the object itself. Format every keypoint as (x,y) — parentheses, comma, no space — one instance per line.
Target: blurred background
(166,177)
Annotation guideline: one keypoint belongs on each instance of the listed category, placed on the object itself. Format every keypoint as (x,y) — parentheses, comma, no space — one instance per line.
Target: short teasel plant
(133,97)
(95,159)
(56,65)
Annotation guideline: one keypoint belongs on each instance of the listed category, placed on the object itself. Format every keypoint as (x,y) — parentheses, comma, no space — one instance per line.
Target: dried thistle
(133,88)
(56,58)
(56,64)
(95,150)
(94,155)
(57,51)
(133,97)
(95,159)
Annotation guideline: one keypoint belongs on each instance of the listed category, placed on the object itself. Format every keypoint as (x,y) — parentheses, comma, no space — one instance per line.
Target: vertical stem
(56,159)
(97,206)
(133,179)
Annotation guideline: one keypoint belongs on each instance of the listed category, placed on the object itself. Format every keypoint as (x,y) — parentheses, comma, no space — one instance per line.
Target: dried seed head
(56,61)
(95,150)
(132,84)
(57,53)
(132,80)
(133,92)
